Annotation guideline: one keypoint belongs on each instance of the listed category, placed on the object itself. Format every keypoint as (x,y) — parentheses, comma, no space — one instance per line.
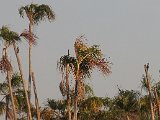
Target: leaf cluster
(37,13)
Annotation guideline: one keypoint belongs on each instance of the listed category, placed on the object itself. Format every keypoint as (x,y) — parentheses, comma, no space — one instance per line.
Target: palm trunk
(30,64)
(76,94)
(68,95)
(24,83)
(11,94)
(36,97)
(150,100)
(149,91)
(128,117)
(75,101)
(7,104)
(10,88)
(157,102)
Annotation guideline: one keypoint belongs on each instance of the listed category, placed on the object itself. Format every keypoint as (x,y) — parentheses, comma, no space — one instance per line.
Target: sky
(128,32)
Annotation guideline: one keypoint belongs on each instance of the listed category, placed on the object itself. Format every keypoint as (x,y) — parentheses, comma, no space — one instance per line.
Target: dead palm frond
(47,114)
(62,66)
(102,65)
(2,107)
(62,88)
(10,114)
(5,65)
(30,37)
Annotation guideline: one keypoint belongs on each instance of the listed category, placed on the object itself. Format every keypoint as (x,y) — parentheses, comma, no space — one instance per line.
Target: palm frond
(47,114)
(4,88)
(20,99)
(43,12)
(37,13)
(62,88)
(89,90)
(9,36)
(80,48)
(16,80)
(64,60)
(102,65)
(10,113)
(90,57)
(2,108)
(22,11)
(30,37)
(144,83)
(5,65)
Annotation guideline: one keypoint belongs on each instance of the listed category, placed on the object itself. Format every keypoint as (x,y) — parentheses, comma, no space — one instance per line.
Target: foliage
(89,57)
(37,13)
(127,100)
(9,36)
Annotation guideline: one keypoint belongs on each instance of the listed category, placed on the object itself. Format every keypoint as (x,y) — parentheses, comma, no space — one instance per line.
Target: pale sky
(128,31)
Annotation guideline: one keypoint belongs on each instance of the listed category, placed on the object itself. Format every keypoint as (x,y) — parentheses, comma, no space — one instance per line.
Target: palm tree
(6,67)
(35,14)
(148,79)
(65,66)
(86,59)
(11,38)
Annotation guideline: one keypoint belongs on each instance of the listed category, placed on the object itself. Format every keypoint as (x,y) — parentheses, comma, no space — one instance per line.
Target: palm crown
(37,13)
(8,36)
(89,57)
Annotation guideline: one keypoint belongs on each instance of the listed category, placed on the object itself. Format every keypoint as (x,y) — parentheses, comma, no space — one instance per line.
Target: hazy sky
(128,31)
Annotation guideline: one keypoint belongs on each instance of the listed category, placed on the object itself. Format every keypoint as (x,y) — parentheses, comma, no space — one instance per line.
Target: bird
(17,49)
(147,66)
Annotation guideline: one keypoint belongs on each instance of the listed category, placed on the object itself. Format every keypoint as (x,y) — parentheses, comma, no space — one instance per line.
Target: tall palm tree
(148,79)
(35,14)
(6,67)
(11,38)
(65,66)
(86,59)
